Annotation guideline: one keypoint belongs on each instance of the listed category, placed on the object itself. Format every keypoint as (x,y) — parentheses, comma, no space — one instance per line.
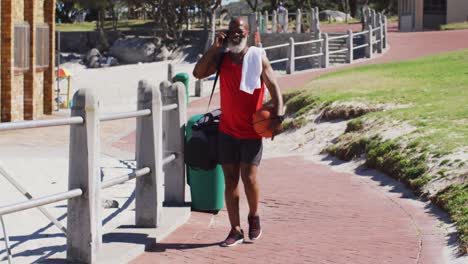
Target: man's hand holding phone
(221,40)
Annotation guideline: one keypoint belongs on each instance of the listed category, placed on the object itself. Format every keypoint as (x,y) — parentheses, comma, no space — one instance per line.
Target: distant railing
(156,106)
(375,39)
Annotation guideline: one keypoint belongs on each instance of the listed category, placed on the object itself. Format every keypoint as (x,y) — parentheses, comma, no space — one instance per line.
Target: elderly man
(244,73)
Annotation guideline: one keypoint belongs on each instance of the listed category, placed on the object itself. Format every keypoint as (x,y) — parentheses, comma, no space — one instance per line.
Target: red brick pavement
(309,214)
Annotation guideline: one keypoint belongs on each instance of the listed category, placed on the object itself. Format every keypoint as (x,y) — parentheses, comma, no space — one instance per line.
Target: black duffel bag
(201,150)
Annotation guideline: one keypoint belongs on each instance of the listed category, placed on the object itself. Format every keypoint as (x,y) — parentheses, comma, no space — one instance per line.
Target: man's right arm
(206,66)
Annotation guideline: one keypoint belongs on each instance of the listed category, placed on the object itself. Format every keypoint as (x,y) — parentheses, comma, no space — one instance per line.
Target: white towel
(251,70)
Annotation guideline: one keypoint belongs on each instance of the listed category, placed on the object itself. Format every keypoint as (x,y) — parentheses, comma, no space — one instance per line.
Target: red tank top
(237,106)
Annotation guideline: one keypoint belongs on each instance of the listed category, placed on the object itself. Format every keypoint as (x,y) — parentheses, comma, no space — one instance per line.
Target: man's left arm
(268,76)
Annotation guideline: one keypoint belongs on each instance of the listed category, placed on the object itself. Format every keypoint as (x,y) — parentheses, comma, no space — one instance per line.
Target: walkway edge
(127,242)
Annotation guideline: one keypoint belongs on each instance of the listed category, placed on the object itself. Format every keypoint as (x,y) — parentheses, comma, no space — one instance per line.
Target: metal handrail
(338,51)
(169,159)
(338,37)
(169,107)
(308,56)
(361,33)
(308,42)
(124,115)
(276,46)
(280,60)
(76,120)
(361,46)
(375,29)
(124,178)
(8,209)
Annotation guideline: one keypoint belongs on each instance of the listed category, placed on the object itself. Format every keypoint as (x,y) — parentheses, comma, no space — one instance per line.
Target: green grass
(91,26)
(454,199)
(433,89)
(434,93)
(455,26)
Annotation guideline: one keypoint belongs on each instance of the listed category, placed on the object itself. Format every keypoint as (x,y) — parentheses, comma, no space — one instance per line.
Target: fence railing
(375,40)
(160,172)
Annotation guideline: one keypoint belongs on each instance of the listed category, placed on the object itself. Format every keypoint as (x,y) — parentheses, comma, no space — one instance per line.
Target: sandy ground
(38,160)
(117,86)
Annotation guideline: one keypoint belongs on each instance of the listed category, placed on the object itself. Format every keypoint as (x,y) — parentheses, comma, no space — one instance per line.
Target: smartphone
(225,40)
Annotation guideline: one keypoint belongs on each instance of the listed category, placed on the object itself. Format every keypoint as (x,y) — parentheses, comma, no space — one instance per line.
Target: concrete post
(326,55)
(253,22)
(373,18)
(380,33)
(274,23)
(368,36)
(291,67)
(174,139)
(319,48)
(170,72)
(213,28)
(385,31)
(298,21)
(84,221)
(286,22)
(149,188)
(317,19)
(312,20)
(350,45)
(198,87)
(265,20)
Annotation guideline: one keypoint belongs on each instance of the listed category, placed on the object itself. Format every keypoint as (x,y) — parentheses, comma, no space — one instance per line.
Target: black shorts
(233,150)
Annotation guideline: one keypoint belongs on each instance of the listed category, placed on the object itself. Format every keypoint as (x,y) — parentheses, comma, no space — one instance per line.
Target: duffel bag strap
(218,69)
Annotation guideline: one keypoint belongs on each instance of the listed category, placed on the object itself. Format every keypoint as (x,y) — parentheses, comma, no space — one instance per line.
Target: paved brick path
(312,214)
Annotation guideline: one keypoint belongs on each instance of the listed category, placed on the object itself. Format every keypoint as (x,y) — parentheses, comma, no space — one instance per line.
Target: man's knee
(249,174)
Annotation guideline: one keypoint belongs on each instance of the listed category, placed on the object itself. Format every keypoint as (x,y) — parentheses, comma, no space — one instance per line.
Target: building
(27,62)
(416,15)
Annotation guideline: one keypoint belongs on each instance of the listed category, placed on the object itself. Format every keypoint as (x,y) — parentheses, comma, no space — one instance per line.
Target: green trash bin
(206,186)
(184,78)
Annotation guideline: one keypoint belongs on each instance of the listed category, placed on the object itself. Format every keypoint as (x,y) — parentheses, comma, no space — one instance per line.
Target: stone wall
(17,89)
(38,94)
(17,98)
(7,63)
(39,6)
(18,10)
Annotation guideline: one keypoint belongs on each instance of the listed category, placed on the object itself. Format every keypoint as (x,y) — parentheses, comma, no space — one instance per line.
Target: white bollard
(298,21)
(325,50)
(369,48)
(274,23)
(84,220)
(291,67)
(149,188)
(174,139)
(350,45)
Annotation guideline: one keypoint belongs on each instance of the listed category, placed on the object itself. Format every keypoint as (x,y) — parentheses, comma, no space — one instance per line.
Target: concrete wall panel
(457,11)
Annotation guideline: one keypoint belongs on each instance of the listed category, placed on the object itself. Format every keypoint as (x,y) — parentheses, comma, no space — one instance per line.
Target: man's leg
(231,193)
(249,178)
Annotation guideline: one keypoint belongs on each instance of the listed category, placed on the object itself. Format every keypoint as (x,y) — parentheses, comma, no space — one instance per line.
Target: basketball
(262,120)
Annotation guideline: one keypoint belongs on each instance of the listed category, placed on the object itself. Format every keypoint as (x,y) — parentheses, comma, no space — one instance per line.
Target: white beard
(239,47)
